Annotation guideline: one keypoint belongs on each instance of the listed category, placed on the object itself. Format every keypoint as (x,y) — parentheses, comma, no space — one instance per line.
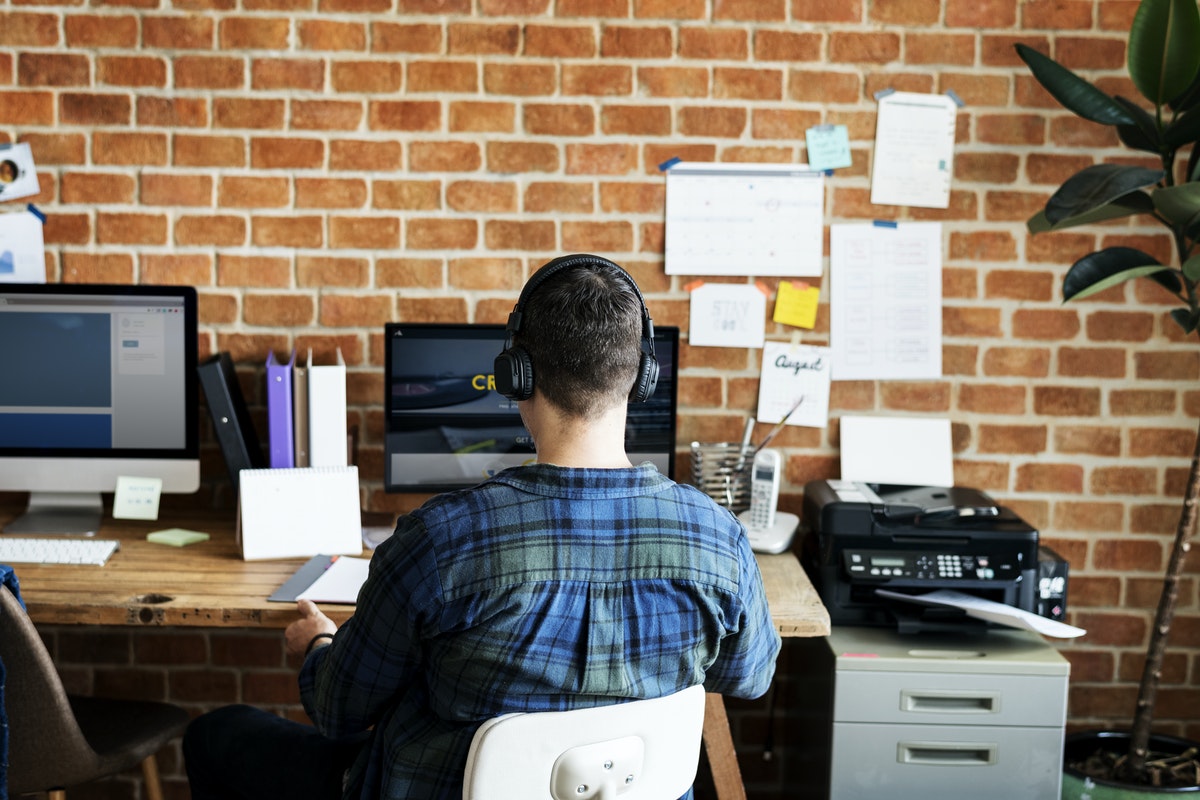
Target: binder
(300,411)
(230,418)
(327,413)
(293,513)
(279,411)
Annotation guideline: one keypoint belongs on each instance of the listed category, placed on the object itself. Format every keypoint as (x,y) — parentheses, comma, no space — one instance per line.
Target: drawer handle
(935,702)
(946,754)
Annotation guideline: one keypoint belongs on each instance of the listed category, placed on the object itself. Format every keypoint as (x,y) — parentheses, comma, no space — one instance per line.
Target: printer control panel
(869,565)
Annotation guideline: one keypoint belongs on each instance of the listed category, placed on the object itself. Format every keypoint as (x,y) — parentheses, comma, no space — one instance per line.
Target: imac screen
(99,382)
(448,428)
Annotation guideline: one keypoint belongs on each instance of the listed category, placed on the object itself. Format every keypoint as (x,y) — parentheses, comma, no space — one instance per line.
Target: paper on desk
(990,611)
(339,583)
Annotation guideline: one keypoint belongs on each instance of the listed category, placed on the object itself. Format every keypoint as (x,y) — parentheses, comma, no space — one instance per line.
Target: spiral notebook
(299,512)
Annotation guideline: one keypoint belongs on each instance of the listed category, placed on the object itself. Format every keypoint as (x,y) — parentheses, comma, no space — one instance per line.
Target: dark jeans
(243,752)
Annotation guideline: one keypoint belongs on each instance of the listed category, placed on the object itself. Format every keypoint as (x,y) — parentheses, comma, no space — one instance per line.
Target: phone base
(775,539)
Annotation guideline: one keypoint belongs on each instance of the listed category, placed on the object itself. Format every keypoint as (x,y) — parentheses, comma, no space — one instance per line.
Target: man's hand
(311,622)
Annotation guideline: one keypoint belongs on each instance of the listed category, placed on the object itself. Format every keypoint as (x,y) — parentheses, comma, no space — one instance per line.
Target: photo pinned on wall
(790,371)
(18,176)
(727,314)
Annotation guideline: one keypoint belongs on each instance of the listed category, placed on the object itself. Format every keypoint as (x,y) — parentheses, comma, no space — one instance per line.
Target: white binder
(295,513)
(327,446)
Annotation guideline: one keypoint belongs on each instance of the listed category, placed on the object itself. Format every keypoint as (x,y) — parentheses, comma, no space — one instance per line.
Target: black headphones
(513,368)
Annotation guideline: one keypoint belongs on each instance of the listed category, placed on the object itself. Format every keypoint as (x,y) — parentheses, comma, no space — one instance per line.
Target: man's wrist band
(313,641)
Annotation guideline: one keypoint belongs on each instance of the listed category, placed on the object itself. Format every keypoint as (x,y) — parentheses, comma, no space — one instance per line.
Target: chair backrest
(44,738)
(639,750)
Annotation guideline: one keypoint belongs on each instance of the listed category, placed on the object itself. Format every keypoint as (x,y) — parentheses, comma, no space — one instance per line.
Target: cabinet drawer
(946,698)
(932,762)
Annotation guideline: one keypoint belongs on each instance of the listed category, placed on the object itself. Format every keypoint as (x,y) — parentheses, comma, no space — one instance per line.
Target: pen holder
(722,471)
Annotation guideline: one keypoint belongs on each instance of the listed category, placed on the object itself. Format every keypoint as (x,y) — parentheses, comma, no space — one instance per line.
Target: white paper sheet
(340,583)
(914,150)
(789,371)
(990,611)
(22,249)
(744,219)
(885,296)
(727,315)
(18,175)
(912,450)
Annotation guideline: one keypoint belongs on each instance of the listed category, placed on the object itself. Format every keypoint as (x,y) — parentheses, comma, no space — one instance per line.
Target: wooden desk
(209,585)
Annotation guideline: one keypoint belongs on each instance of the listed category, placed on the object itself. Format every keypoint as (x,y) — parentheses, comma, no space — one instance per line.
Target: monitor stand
(60,513)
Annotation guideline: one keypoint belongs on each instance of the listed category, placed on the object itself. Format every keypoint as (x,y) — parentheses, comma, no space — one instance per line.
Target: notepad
(288,513)
(325,579)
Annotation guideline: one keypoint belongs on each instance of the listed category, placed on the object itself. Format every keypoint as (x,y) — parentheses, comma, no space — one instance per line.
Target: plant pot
(1077,786)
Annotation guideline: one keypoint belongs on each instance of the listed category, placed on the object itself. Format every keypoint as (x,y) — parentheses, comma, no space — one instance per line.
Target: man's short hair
(582,330)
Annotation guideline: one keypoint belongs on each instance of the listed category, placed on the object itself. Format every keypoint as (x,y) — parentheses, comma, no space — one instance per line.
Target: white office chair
(640,750)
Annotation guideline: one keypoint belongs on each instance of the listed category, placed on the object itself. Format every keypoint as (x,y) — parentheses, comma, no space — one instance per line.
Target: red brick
(481,196)
(751,10)
(1179,366)
(932,396)
(136,149)
(97,188)
(330,193)
(613,80)
(939,48)
(185,270)
(619,41)
(177,112)
(113,228)
(1141,402)
(270,152)
(600,159)
(381,233)
(326,34)
(291,73)
(326,115)
(525,80)
(506,157)
(863,48)
(229,112)
(175,189)
(192,32)
(341,310)
(209,151)
(597,237)
(404,115)
(96,268)
(1123,480)
(409,195)
(709,44)
(1066,401)
(1057,15)
(993,168)
(52,69)
(324,271)
(108,30)
(210,230)
(488,39)
(670,9)
(374,76)
(1045,324)
(981,13)
(1090,516)
(1091,362)
(239,192)
(253,33)
(94,109)
(633,198)
(519,235)
(827,11)
(992,398)
(432,309)
(747,84)
(388,37)
(445,157)
(401,272)
(345,154)
(482,117)
(209,72)
(791,46)
(636,120)
(443,76)
(258,271)
(1055,478)
(558,120)
(770,123)
(559,41)
(1127,555)
(1167,442)
(905,12)
(21,29)
(27,108)
(672,81)
(964,321)
(441,234)
(287,231)
(1026,439)
(710,121)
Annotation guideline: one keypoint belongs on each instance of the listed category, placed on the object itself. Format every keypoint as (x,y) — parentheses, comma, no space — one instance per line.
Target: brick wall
(319,168)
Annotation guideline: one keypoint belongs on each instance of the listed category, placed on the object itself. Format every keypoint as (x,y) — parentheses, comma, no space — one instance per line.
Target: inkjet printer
(860,537)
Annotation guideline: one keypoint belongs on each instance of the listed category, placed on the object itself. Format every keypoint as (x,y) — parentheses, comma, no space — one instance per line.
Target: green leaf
(1191,268)
(1096,186)
(1098,271)
(1145,122)
(1179,204)
(1124,206)
(1186,318)
(1075,93)
(1190,98)
(1163,56)
(1184,130)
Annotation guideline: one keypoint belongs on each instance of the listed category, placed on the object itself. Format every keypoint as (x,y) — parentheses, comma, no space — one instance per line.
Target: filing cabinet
(940,716)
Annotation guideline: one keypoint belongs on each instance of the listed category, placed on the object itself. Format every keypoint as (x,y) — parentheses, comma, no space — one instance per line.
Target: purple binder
(279,411)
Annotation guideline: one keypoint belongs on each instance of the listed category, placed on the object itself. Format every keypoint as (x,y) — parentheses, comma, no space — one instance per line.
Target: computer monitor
(447,428)
(96,382)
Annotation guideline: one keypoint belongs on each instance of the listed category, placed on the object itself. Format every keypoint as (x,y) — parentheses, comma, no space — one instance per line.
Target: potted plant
(1163,61)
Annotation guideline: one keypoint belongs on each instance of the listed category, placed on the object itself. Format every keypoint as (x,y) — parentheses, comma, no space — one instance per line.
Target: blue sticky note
(828,146)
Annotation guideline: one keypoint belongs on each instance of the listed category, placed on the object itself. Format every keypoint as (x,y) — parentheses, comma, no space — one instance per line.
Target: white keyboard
(22,550)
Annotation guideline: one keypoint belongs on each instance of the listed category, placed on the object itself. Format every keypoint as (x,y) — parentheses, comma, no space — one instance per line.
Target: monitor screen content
(99,382)
(448,428)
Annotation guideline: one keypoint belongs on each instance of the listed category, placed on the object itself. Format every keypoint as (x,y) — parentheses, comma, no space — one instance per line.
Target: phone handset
(764,489)
(768,530)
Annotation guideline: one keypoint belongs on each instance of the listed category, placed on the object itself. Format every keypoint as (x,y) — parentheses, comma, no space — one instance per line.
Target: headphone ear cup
(647,379)
(513,371)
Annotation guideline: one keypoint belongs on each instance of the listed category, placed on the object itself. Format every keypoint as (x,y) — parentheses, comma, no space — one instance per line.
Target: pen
(779,425)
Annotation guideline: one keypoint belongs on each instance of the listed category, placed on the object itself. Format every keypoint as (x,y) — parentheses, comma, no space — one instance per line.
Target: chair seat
(125,732)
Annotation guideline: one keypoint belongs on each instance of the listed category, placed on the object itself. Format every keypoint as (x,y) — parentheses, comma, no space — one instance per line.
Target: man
(580,580)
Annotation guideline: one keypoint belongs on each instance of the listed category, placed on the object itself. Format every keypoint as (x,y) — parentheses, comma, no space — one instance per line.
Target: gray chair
(56,740)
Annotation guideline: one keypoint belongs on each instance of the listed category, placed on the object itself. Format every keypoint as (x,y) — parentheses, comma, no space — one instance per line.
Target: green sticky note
(176,537)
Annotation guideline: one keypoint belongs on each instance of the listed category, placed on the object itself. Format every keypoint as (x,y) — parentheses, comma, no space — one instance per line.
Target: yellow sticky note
(176,537)
(796,304)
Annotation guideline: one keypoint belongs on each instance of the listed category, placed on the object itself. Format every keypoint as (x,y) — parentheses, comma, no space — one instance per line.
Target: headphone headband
(514,369)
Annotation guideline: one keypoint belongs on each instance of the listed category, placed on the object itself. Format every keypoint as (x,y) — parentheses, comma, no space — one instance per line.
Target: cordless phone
(764,489)
(768,530)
